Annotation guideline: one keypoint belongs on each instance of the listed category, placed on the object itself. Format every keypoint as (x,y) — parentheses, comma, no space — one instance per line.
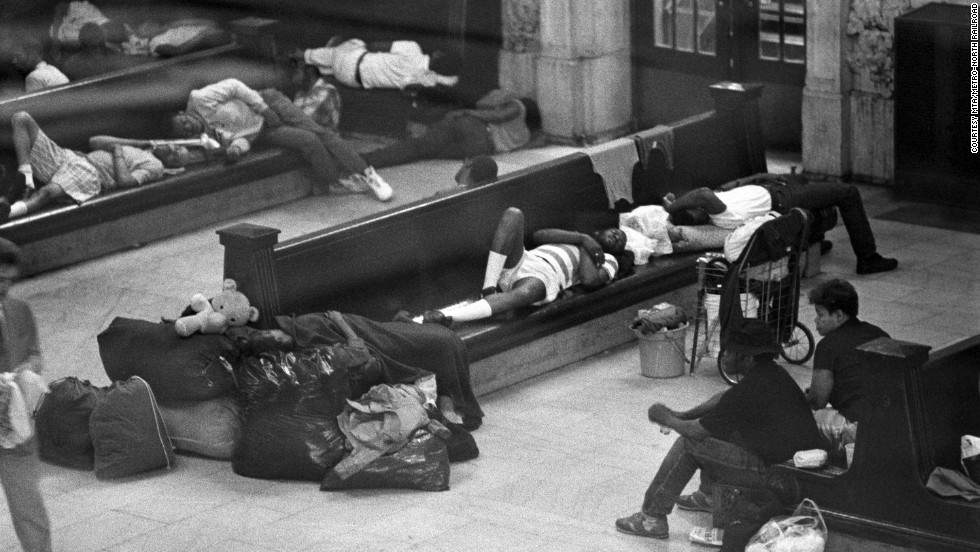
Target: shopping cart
(763,282)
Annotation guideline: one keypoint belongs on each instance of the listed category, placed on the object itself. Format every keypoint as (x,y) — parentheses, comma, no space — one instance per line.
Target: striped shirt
(564,259)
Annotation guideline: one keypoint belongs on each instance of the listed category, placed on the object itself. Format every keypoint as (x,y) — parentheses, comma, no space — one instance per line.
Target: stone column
(826,94)
(521,45)
(584,70)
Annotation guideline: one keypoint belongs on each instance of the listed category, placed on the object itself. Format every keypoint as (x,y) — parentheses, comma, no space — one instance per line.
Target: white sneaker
(353,184)
(377,184)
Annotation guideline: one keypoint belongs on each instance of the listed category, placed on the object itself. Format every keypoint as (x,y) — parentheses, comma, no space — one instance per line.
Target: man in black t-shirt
(733,436)
(838,375)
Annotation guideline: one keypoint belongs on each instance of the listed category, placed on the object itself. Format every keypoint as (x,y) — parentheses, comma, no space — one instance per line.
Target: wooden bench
(432,253)
(138,103)
(922,405)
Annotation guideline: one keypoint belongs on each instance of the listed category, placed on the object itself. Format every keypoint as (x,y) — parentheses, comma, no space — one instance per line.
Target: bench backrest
(135,102)
(432,253)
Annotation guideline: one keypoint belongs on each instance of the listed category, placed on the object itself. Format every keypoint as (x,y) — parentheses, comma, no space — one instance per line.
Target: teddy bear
(225,310)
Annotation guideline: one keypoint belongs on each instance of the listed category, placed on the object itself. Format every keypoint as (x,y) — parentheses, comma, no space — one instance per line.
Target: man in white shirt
(745,199)
(397,64)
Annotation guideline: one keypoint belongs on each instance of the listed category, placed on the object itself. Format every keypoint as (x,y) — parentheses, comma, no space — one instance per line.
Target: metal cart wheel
(732,379)
(799,347)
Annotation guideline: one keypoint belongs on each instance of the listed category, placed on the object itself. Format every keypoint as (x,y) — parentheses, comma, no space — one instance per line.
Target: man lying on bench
(80,177)
(747,198)
(397,64)
(236,116)
(517,278)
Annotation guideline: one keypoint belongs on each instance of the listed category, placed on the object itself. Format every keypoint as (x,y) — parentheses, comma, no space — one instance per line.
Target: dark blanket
(406,351)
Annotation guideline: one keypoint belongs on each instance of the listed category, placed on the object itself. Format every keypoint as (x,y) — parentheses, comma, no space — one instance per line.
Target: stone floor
(562,455)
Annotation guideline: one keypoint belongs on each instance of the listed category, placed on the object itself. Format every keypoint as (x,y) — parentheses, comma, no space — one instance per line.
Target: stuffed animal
(225,310)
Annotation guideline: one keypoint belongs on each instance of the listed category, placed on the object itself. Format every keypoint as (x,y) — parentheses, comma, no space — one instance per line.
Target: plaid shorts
(53,164)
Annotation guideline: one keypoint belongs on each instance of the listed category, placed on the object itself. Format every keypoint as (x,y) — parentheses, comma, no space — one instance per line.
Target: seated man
(730,208)
(837,371)
(733,436)
(65,173)
(501,122)
(406,352)
(562,259)
(397,64)
(69,19)
(236,116)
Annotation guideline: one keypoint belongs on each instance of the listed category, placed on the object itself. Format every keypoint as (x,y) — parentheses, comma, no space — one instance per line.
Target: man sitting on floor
(517,278)
(79,177)
(236,116)
(406,352)
(752,197)
(733,436)
(838,378)
(397,64)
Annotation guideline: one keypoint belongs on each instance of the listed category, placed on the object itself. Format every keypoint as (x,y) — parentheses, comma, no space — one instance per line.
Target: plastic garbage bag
(62,423)
(422,464)
(291,402)
(804,531)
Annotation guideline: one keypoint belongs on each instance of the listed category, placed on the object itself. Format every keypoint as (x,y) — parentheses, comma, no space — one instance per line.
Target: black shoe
(487,291)
(402,316)
(437,317)
(876,263)
(826,246)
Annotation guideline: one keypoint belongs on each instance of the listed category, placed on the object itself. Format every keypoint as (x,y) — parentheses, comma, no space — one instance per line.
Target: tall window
(733,39)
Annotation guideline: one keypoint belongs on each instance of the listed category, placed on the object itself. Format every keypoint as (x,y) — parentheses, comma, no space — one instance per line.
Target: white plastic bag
(804,531)
(17,426)
(650,221)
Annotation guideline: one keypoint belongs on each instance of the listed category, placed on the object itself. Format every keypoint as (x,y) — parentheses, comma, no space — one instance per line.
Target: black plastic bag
(422,464)
(62,423)
(291,402)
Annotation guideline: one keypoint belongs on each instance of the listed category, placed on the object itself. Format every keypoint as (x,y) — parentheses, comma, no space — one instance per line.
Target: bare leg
(106,143)
(25,130)
(47,194)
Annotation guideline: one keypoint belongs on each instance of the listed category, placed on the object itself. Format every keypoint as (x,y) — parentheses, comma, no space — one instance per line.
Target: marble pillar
(826,94)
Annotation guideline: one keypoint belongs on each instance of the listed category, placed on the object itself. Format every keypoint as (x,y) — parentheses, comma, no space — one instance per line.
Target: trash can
(662,353)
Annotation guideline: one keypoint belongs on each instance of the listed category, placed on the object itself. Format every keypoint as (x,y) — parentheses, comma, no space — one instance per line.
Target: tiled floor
(562,455)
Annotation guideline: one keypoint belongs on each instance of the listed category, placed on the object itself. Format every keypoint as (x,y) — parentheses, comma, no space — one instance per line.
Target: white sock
(18,209)
(495,265)
(471,311)
(28,173)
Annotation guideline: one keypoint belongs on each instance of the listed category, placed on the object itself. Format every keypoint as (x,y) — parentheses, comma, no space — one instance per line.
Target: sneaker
(876,263)
(377,184)
(694,502)
(353,184)
(642,525)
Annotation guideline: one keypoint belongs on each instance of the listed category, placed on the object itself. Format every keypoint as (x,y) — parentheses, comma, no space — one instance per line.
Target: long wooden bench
(432,253)
(137,103)
(921,407)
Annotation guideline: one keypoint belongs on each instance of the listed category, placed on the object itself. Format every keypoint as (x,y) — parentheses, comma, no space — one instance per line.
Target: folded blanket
(659,137)
(614,161)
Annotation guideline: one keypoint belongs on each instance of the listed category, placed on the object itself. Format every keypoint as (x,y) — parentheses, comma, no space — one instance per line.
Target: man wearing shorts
(65,173)
(516,277)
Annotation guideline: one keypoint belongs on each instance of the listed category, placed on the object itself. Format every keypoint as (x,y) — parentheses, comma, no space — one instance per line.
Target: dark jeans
(818,195)
(322,148)
(456,137)
(719,462)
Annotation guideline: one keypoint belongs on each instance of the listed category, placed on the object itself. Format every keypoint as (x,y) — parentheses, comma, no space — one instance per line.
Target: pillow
(128,432)
(210,428)
(178,368)
(701,237)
